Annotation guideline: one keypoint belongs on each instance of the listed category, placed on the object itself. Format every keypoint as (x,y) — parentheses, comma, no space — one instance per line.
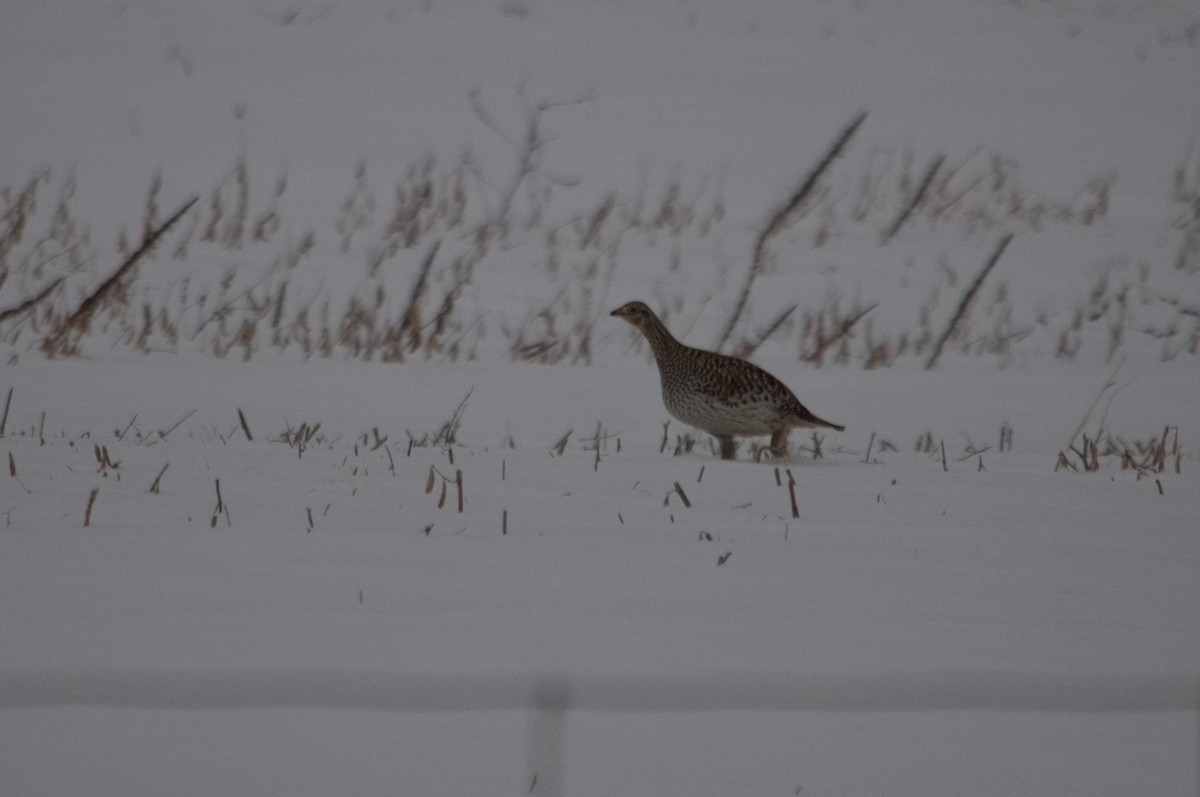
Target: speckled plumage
(722,395)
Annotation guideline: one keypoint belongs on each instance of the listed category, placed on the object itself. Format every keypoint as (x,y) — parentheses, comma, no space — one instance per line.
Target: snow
(305,620)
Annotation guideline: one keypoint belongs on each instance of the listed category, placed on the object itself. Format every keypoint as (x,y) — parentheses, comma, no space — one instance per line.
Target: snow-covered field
(236,560)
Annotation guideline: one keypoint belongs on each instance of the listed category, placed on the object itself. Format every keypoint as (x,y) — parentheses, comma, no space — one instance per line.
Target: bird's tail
(806,418)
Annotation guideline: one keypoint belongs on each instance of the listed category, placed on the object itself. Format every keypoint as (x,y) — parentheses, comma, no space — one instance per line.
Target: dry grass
(422,266)
(302,437)
(1153,455)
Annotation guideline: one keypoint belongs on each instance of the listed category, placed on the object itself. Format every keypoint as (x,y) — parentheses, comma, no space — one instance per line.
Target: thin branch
(30,303)
(965,303)
(842,332)
(780,218)
(527,147)
(227,306)
(748,349)
(917,198)
(81,317)
(4,418)
(1109,382)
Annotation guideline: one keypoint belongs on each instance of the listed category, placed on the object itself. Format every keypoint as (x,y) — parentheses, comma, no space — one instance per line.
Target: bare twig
(31,302)
(448,434)
(917,197)
(747,349)
(870,444)
(527,146)
(1109,383)
(560,447)
(87,513)
(4,418)
(220,504)
(792,493)
(164,432)
(965,303)
(848,324)
(128,426)
(154,488)
(79,320)
(780,218)
(245,426)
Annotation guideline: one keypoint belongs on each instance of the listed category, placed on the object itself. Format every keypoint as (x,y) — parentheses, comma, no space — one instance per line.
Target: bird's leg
(779,444)
(728,447)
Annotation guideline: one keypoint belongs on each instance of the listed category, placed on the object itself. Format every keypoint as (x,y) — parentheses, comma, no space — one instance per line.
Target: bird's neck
(662,342)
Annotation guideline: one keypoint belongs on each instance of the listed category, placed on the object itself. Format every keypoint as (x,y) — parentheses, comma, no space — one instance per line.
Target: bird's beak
(616,312)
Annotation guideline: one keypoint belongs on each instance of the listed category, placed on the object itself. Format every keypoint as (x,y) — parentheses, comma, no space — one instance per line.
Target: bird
(722,395)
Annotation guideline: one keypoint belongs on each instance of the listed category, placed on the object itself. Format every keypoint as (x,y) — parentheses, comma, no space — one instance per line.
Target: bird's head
(636,313)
